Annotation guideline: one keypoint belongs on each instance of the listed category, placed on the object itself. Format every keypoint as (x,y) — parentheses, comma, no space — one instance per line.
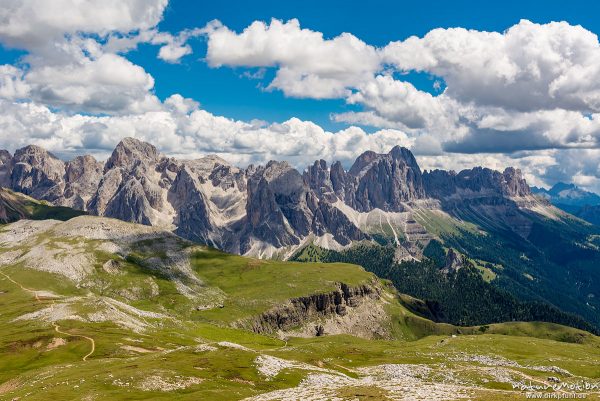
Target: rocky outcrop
(375,181)
(278,210)
(488,198)
(5,168)
(298,311)
(317,178)
(38,173)
(82,176)
(131,152)
(135,184)
(330,220)
(193,218)
(475,182)
(454,261)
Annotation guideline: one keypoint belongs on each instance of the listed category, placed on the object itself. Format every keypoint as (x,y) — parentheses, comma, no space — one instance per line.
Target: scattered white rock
(270,366)
(160,383)
(227,344)
(23,231)
(51,314)
(205,348)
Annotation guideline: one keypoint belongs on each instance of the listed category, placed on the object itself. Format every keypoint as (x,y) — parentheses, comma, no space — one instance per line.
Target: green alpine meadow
(95,308)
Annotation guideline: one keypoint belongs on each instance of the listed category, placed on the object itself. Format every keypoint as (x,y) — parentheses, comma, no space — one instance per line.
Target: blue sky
(460,83)
(223,92)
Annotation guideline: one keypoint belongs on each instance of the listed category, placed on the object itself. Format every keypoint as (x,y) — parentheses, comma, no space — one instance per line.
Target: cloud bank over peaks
(182,129)
(528,97)
(545,77)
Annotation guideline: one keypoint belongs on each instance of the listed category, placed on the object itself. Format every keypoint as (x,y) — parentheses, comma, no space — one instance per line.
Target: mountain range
(574,200)
(270,210)
(384,208)
(94,307)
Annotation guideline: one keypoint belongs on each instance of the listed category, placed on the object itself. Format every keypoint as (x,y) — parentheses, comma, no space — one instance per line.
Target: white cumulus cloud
(309,65)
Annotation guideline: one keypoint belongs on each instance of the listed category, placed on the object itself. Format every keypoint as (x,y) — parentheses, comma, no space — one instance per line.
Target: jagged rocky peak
(82,176)
(37,157)
(38,173)
(385,181)
(479,180)
(134,184)
(402,153)
(131,151)
(5,167)
(218,172)
(398,153)
(514,184)
(84,169)
(363,161)
(280,189)
(439,183)
(317,177)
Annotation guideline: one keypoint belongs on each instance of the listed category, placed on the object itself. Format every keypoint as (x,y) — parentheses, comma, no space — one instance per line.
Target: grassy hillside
(95,309)
(550,259)
(15,206)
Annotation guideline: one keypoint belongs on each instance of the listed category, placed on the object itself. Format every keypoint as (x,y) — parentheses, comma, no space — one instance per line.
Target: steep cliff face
(375,181)
(310,311)
(498,199)
(330,220)
(476,182)
(318,178)
(5,168)
(193,218)
(131,152)
(278,211)
(82,176)
(130,189)
(38,173)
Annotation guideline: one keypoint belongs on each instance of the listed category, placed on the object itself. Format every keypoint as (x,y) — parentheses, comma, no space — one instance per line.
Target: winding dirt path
(91,340)
(56,326)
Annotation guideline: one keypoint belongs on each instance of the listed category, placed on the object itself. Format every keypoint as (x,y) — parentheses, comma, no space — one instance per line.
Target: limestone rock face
(318,178)
(330,220)
(499,199)
(279,206)
(82,177)
(130,204)
(135,184)
(513,183)
(440,184)
(454,261)
(38,173)
(130,152)
(193,219)
(5,168)
(375,181)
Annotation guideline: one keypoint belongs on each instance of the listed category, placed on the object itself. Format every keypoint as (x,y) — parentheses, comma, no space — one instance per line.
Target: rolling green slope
(464,297)
(550,259)
(95,308)
(15,206)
